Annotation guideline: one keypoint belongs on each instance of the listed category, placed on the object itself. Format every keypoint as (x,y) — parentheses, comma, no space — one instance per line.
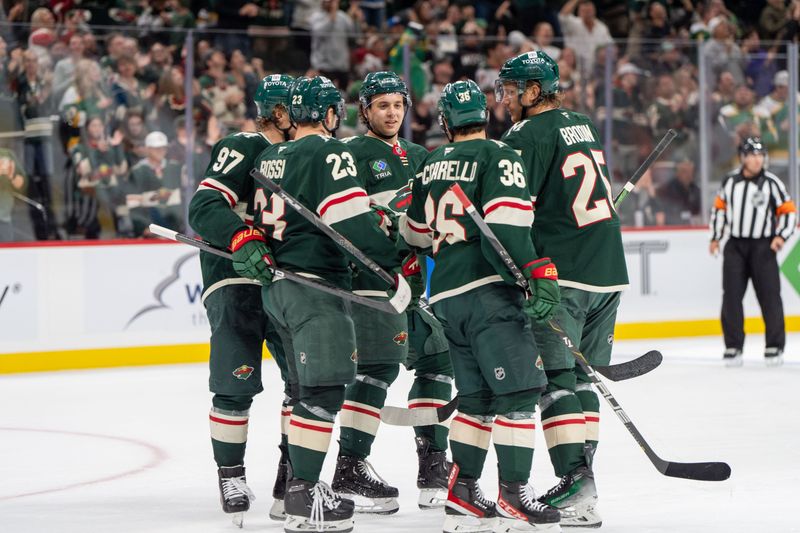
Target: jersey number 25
(586,214)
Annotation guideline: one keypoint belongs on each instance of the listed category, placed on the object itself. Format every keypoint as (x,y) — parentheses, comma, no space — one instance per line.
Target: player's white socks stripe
(360,416)
(471,430)
(564,429)
(508,432)
(311,434)
(286,414)
(228,428)
(592,425)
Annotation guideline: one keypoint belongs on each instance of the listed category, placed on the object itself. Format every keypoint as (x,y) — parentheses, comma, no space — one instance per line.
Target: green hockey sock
(310,429)
(361,412)
(431,390)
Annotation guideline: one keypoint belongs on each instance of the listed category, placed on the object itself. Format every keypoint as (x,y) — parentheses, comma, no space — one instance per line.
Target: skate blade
(277,512)
(773,361)
(468,524)
(588,517)
(366,505)
(238,519)
(512,525)
(734,362)
(301,524)
(432,499)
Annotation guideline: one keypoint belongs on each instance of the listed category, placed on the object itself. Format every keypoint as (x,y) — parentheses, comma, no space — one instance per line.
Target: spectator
(499,119)
(127,92)
(12,180)
(170,102)
(64,73)
(669,59)
(722,53)
(773,19)
(418,52)
(301,30)
(642,207)
(35,98)
(726,87)
(115,47)
(133,133)
(87,96)
(330,30)
(543,38)
(154,189)
(374,13)
(496,54)
(372,57)
(470,52)
(422,120)
(99,169)
(242,76)
(740,118)
(670,110)
(42,35)
(760,64)
(680,197)
(583,33)
(234,17)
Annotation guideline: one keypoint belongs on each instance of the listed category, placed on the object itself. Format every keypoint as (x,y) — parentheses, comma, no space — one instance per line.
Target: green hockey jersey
(219,208)
(386,172)
(576,225)
(320,172)
(493,177)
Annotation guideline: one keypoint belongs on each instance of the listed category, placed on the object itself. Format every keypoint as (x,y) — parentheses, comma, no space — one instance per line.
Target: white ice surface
(127,450)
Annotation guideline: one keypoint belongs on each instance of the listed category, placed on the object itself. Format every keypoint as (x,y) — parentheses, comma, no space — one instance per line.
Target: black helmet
(752,145)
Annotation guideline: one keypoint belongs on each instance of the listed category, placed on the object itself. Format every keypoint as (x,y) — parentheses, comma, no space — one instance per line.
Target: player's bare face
(510,100)
(385,113)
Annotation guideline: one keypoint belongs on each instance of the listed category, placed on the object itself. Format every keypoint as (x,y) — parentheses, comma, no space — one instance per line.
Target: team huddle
(477,330)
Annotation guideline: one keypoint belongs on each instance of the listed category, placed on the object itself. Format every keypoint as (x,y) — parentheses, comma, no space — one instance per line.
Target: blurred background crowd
(108,110)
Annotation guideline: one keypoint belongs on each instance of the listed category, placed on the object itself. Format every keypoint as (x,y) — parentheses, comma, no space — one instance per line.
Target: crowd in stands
(94,102)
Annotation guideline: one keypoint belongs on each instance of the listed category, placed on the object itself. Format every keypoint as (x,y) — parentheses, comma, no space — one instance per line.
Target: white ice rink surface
(128,450)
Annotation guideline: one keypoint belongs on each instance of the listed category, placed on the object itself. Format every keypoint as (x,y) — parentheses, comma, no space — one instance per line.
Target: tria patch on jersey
(401,338)
(380,169)
(243,372)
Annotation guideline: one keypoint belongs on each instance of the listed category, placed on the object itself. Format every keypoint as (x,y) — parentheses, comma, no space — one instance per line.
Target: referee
(759,215)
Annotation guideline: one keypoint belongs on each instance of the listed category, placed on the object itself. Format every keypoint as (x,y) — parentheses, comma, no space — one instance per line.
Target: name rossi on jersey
(449,171)
(273,168)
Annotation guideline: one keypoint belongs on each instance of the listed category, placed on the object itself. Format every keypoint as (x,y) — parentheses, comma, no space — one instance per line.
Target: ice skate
(355,478)
(518,510)
(467,510)
(773,356)
(277,512)
(732,357)
(575,497)
(234,494)
(315,507)
(432,476)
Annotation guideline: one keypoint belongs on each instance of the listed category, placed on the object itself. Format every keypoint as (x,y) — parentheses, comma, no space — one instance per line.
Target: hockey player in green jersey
(485,315)
(386,166)
(320,172)
(577,226)
(219,211)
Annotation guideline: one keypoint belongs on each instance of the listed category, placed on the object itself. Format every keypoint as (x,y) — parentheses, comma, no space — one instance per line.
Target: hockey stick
(655,154)
(708,471)
(380,305)
(402,296)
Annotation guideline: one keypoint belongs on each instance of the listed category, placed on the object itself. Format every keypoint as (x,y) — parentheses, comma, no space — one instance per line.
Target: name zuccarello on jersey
(449,171)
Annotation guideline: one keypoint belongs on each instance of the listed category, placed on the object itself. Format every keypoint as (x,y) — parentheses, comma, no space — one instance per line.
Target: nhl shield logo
(500,373)
(610,339)
(243,372)
(401,338)
(302,358)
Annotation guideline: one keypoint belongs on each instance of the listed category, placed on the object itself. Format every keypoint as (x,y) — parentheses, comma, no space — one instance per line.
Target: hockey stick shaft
(312,217)
(380,305)
(655,154)
(699,471)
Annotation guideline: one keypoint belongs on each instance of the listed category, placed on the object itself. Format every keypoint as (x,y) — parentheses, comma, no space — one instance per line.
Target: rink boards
(139,303)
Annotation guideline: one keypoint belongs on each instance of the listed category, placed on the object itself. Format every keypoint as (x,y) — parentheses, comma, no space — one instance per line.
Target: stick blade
(633,368)
(163,232)
(713,471)
(399,416)
(402,295)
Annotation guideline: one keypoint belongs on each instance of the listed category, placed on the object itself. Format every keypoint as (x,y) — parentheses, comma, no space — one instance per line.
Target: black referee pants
(743,260)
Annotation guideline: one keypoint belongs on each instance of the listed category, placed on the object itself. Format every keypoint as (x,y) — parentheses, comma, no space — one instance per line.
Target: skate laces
(480,497)
(323,498)
(366,468)
(528,498)
(234,487)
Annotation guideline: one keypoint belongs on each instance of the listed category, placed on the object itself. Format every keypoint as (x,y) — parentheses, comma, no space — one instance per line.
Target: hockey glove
(410,269)
(543,280)
(251,256)
(387,220)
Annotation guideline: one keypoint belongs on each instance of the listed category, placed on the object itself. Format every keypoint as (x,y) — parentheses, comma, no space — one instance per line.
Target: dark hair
(469,129)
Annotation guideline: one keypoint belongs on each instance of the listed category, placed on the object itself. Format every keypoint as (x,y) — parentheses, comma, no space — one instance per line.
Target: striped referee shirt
(753,208)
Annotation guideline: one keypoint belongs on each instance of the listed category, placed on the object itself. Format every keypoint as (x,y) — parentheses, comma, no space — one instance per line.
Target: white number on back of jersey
(339,172)
(601,210)
(445,229)
(222,158)
(512,173)
(273,216)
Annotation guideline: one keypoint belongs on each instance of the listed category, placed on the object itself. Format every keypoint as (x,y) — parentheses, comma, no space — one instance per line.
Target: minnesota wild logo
(243,372)
(401,338)
(401,200)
